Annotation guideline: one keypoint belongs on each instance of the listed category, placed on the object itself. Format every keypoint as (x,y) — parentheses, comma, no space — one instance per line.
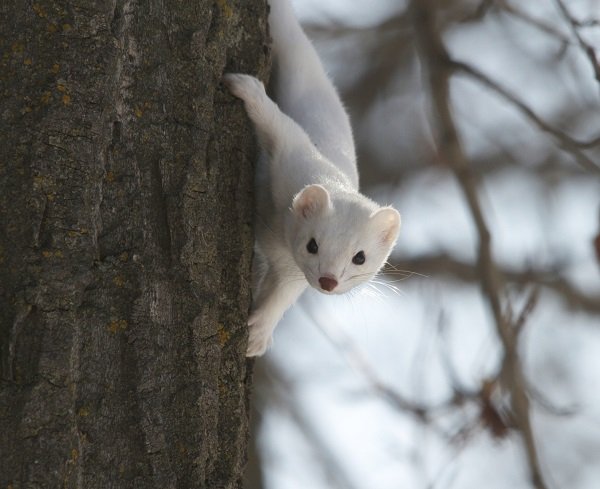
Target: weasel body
(313,226)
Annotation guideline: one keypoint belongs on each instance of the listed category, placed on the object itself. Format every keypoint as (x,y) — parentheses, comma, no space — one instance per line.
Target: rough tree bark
(125,241)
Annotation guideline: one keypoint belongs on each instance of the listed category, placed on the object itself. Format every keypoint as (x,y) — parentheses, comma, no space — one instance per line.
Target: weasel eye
(359,258)
(312,247)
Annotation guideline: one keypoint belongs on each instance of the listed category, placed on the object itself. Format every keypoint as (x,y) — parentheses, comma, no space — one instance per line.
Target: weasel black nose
(328,283)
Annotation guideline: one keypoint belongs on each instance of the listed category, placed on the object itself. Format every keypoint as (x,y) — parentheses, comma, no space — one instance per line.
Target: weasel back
(305,93)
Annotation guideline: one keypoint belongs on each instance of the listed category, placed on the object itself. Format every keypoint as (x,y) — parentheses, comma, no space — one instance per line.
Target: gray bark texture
(126,209)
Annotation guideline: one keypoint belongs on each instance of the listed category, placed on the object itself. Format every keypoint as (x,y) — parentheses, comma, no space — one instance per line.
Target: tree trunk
(125,242)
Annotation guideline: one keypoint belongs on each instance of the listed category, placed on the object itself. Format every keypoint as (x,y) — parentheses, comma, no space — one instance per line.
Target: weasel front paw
(260,336)
(248,88)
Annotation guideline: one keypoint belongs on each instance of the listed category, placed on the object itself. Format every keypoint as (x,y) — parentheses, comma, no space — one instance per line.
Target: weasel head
(340,243)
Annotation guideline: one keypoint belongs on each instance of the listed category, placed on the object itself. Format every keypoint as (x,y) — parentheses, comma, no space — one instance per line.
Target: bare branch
(380,44)
(362,366)
(532,301)
(537,23)
(444,264)
(586,47)
(282,390)
(566,142)
(437,62)
(426,414)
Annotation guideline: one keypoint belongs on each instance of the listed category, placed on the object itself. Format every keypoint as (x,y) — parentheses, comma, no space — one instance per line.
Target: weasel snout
(328,283)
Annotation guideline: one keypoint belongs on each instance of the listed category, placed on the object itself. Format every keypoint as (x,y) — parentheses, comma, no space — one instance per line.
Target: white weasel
(313,227)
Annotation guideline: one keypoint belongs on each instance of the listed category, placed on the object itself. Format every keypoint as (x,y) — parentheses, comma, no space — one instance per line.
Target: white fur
(307,183)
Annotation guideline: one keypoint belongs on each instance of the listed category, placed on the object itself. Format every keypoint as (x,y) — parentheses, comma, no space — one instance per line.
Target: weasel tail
(313,226)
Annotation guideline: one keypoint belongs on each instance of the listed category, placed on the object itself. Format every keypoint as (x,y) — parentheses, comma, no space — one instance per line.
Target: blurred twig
(532,301)
(426,414)
(436,61)
(382,44)
(571,145)
(586,47)
(533,21)
(357,360)
(389,49)
(444,264)
(281,389)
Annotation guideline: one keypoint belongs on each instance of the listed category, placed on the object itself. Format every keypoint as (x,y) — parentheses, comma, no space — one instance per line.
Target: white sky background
(406,338)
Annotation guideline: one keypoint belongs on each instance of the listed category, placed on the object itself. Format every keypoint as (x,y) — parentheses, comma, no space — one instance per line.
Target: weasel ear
(386,223)
(311,201)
